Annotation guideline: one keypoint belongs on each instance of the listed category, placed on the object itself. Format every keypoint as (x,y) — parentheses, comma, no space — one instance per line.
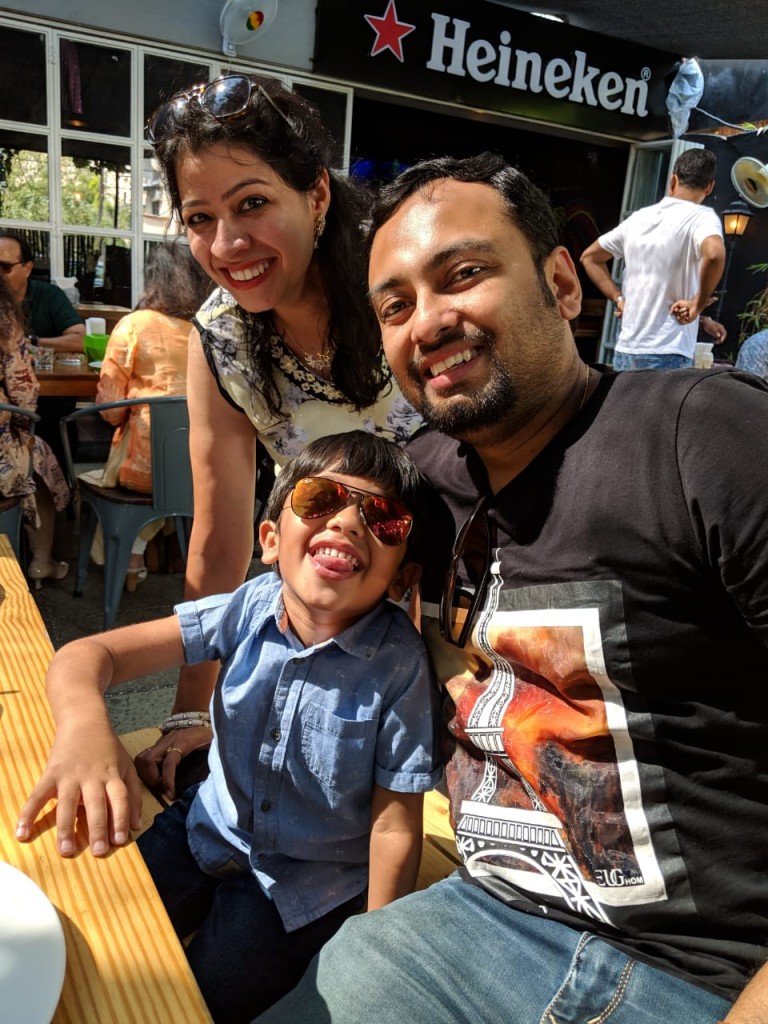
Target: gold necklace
(584,393)
(318,361)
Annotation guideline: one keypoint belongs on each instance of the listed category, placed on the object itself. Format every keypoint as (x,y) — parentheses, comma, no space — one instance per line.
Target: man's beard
(467,413)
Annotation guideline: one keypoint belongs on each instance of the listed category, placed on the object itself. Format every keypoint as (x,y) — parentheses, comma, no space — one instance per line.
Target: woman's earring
(319,228)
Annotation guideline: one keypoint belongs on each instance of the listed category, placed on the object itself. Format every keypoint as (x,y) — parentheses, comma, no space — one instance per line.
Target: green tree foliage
(90,190)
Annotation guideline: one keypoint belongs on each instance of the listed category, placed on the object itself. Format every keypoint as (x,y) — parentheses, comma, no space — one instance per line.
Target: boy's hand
(97,772)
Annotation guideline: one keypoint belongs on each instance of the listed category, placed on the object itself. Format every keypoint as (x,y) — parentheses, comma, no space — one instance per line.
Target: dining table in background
(124,963)
(68,381)
(111,314)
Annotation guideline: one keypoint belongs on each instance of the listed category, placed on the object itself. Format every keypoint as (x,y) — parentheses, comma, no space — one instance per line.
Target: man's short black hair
(695,168)
(357,453)
(527,206)
(25,252)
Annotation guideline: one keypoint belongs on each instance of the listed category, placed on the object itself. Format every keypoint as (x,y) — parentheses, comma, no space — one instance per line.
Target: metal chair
(10,508)
(123,513)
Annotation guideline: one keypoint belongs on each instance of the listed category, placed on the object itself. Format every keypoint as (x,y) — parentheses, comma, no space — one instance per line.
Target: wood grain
(124,962)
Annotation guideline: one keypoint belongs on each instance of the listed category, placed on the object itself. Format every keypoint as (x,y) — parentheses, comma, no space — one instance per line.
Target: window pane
(22,82)
(156,220)
(333,110)
(40,244)
(164,77)
(24,176)
(95,88)
(95,184)
(102,267)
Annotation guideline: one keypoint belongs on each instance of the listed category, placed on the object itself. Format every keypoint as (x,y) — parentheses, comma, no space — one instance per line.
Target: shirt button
(265,805)
(275,734)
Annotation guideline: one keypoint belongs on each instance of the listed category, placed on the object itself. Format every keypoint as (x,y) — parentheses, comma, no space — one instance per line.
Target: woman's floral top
(312,407)
(19,448)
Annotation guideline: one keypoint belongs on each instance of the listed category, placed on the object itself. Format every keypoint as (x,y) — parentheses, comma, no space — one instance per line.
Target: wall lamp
(736,216)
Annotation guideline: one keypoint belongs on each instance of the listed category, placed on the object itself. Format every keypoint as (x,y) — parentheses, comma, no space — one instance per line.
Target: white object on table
(33,952)
(95,325)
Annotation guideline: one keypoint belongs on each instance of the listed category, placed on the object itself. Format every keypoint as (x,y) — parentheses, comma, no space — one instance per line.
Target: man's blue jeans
(454,954)
(669,361)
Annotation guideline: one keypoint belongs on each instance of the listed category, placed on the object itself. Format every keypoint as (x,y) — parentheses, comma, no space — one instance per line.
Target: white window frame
(54,133)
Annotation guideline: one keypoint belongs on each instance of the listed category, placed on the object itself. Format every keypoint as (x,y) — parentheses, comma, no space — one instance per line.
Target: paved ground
(136,704)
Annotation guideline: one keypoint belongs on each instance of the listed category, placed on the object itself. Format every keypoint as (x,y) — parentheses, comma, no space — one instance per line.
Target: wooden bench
(124,964)
(439,857)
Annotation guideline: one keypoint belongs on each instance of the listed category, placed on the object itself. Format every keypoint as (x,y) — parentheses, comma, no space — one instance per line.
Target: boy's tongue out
(334,563)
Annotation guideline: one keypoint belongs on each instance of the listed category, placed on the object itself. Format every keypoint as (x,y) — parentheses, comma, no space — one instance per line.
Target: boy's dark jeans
(242,957)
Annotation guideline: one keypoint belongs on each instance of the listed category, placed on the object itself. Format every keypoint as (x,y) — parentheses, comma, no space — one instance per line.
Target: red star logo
(389,32)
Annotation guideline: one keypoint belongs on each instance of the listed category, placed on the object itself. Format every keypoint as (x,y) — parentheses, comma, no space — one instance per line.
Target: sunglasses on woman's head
(223,99)
(316,496)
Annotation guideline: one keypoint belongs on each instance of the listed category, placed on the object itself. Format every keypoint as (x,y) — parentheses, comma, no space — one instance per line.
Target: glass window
(156,215)
(95,184)
(333,110)
(24,176)
(40,244)
(163,77)
(102,267)
(22,82)
(95,88)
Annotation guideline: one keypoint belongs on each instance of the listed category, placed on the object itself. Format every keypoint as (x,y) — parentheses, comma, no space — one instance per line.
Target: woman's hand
(157,764)
(89,768)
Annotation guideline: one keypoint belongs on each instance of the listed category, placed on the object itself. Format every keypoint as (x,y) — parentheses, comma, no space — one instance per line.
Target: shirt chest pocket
(337,751)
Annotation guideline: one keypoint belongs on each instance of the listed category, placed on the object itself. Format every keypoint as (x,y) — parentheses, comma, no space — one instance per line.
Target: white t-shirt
(661,248)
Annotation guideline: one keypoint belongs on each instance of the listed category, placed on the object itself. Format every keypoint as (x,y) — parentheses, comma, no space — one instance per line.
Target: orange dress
(146,356)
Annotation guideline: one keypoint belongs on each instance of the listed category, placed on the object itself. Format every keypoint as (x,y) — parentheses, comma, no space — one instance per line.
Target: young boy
(323,731)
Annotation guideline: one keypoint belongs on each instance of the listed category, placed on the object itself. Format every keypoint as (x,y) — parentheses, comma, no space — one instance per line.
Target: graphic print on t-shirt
(554,807)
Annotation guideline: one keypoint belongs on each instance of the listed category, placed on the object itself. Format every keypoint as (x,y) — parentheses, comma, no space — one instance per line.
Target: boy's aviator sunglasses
(388,520)
(223,99)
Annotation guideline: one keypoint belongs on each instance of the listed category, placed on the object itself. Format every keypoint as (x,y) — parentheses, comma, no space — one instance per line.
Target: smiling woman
(286,349)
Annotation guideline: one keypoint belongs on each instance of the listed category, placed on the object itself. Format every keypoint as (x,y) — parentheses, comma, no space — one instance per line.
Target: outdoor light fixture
(736,216)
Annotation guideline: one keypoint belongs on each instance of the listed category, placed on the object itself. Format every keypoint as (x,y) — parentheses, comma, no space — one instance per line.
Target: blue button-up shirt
(301,734)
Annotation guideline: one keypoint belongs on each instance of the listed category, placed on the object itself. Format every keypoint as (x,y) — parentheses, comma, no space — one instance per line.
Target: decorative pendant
(317,361)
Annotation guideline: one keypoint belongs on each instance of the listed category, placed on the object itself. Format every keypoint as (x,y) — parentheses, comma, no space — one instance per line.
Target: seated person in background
(753,355)
(147,356)
(324,732)
(45,491)
(50,319)
(49,316)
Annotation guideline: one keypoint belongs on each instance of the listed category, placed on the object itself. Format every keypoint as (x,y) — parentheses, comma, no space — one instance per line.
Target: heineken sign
(488,56)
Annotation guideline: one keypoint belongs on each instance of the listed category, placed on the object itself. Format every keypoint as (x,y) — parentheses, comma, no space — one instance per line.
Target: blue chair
(10,508)
(123,513)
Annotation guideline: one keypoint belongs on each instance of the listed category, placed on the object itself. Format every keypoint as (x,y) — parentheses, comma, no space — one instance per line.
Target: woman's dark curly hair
(286,131)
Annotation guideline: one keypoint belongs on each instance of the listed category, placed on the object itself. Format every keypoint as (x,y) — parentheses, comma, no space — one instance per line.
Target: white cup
(95,325)
(703,357)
